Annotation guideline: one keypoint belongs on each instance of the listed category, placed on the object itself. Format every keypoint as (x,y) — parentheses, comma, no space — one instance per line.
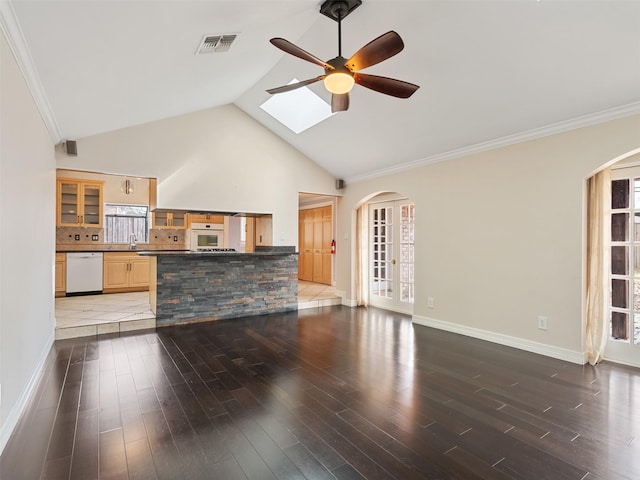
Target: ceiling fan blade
(388,86)
(383,47)
(339,102)
(296,51)
(293,86)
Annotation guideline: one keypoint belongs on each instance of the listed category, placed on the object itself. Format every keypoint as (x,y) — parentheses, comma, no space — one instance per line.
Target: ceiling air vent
(215,43)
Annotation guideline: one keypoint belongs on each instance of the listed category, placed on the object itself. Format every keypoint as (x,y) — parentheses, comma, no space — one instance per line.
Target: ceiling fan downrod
(339,10)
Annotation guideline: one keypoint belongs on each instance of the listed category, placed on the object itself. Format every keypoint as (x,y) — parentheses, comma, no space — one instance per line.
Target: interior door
(391,246)
(314,236)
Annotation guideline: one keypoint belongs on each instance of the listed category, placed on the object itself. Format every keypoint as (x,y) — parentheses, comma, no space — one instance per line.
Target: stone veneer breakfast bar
(201,286)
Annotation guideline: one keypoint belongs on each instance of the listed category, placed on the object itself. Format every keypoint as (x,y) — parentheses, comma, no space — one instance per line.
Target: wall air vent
(215,43)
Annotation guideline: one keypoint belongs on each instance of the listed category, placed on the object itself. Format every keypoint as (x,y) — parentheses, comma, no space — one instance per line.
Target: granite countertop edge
(214,254)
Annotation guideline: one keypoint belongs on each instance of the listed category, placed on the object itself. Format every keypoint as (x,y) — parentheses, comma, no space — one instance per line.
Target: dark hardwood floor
(335,393)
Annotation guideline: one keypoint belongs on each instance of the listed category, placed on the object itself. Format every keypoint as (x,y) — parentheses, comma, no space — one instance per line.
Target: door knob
(393,262)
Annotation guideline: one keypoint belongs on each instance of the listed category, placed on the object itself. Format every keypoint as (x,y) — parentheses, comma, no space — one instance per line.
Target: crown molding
(15,38)
(552,129)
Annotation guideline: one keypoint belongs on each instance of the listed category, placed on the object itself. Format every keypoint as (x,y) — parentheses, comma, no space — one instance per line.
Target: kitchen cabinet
(259,232)
(79,202)
(197,218)
(125,272)
(170,220)
(61,274)
(250,238)
(263,231)
(315,234)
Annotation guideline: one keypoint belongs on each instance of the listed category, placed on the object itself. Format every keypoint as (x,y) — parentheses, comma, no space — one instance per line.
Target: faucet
(132,241)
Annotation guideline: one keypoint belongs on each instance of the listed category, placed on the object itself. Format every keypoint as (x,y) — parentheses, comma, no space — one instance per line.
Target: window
(407,248)
(122,221)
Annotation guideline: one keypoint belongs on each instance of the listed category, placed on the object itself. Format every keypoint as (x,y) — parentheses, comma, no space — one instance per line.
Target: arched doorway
(612,323)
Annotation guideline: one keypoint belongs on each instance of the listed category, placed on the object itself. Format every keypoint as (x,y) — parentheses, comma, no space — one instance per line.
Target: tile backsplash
(82,238)
(67,235)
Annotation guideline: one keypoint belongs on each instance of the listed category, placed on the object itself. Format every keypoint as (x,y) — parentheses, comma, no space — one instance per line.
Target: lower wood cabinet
(125,272)
(61,274)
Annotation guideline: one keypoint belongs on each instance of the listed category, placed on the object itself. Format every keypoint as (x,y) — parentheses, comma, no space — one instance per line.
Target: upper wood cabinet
(79,202)
(170,220)
(196,218)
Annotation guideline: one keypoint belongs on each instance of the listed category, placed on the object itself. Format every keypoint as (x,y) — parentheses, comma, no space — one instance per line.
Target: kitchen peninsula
(189,287)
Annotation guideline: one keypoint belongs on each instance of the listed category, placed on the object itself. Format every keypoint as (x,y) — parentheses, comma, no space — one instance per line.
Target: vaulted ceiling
(490,72)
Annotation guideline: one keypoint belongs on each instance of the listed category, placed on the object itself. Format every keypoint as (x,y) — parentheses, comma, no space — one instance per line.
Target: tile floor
(97,314)
(312,295)
(120,312)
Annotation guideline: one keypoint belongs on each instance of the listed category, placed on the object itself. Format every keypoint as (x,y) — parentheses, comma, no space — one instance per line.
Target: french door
(624,301)
(391,249)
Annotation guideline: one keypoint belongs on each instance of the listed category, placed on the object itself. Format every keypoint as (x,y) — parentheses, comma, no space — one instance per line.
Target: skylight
(298,109)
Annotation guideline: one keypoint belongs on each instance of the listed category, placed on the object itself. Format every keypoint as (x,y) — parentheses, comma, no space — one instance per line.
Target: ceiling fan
(340,74)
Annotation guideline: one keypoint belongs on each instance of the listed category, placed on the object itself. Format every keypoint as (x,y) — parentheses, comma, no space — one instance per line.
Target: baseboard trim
(620,362)
(16,412)
(349,302)
(501,339)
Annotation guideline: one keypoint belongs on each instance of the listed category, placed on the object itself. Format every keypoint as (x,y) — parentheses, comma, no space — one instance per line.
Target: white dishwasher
(84,272)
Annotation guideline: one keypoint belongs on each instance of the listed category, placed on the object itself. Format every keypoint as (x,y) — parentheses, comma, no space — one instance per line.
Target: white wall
(27,241)
(500,235)
(216,159)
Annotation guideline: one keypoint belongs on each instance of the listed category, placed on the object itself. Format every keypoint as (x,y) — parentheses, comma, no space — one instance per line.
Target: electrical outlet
(542,322)
(175,238)
(94,238)
(430,302)
(76,237)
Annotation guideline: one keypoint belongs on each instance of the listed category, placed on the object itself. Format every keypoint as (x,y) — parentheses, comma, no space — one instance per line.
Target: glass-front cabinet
(164,219)
(79,203)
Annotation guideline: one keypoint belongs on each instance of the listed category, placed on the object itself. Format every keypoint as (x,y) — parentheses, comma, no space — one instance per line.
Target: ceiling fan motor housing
(339,9)
(339,66)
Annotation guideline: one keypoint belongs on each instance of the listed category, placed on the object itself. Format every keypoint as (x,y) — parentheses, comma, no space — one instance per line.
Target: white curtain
(598,264)
(362,256)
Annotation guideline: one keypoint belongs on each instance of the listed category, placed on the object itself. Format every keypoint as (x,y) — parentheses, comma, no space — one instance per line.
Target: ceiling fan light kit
(341,74)
(339,83)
